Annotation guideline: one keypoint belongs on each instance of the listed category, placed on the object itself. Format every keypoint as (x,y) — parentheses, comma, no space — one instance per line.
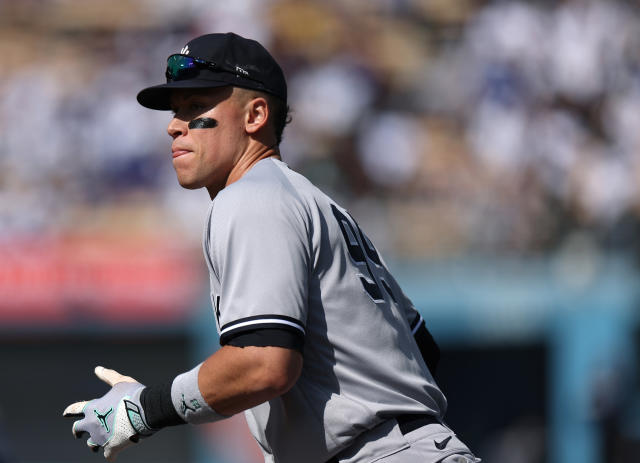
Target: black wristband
(158,406)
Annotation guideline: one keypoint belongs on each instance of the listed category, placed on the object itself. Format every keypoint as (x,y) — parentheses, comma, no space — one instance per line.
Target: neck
(245,163)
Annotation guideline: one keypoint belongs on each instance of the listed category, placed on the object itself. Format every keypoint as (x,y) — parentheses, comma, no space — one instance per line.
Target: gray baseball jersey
(284,257)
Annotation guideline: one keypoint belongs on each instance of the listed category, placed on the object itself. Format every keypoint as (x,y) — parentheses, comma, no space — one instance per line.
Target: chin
(189,184)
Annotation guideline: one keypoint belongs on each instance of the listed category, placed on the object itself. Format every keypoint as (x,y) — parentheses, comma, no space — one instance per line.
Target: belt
(406,423)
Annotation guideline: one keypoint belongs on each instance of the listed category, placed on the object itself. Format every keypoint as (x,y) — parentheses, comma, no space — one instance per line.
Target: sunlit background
(490,150)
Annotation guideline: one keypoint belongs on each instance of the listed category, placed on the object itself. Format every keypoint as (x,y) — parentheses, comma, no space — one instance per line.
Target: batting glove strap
(136,414)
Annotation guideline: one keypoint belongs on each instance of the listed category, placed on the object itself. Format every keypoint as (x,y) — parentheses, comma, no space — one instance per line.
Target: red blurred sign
(87,277)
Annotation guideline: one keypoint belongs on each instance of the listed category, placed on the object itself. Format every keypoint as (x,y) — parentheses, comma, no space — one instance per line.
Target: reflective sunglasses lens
(181,67)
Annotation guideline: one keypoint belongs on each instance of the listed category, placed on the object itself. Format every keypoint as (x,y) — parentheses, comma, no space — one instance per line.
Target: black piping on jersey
(216,308)
(257,322)
(388,288)
(415,324)
(428,347)
(207,241)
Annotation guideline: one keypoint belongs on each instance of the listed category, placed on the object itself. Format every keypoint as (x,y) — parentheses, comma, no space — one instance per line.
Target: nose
(176,128)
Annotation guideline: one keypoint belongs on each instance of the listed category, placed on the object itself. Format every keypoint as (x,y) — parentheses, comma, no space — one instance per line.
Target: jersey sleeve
(260,251)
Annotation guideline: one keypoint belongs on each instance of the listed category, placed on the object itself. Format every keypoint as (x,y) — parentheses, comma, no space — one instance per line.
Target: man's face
(204,157)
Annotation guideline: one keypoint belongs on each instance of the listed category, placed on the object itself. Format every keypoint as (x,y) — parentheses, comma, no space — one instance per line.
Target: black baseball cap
(218,60)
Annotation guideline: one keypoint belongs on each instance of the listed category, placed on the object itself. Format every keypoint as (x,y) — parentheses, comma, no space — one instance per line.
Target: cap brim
(158,96)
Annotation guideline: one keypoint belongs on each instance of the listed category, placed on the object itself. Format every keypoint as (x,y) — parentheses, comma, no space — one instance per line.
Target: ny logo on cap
(185,50)
(242,71)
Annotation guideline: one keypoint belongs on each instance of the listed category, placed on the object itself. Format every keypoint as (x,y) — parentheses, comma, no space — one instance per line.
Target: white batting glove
(114,421)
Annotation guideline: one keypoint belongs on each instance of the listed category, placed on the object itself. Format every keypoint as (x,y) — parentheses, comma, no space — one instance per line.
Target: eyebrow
(174,103)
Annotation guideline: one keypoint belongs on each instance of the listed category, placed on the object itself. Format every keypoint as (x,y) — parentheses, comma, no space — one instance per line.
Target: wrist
(188,400)
(158,406)
(177,402)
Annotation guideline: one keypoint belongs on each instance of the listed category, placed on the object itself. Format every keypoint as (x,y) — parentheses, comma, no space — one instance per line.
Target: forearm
(231,380)
(234,379)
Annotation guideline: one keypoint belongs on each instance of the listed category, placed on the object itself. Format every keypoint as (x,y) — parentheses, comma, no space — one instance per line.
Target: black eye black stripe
(203,123)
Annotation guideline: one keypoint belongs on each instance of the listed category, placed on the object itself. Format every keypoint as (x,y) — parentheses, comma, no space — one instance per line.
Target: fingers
(110,454)
(112,377)
(111,451)
(78,430)
(75,409)
(93,447)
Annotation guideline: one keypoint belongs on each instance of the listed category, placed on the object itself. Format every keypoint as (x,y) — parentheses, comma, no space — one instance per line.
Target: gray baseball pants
(433,443)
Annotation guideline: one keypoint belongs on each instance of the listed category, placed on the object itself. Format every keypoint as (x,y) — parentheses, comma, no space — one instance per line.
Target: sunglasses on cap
(183,67)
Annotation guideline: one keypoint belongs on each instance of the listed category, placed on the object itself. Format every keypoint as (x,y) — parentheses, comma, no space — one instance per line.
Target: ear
(257,115)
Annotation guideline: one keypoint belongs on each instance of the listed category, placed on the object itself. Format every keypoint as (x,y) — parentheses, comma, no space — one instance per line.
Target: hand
(114,421)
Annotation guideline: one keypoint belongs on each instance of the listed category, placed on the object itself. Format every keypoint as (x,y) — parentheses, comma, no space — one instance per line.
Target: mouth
(177,152)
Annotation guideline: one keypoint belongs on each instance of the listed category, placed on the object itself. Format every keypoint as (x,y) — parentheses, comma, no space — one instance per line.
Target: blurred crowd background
(453,130)
(506,126)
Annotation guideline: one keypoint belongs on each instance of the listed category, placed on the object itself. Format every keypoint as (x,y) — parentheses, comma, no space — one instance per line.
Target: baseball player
(320,348)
